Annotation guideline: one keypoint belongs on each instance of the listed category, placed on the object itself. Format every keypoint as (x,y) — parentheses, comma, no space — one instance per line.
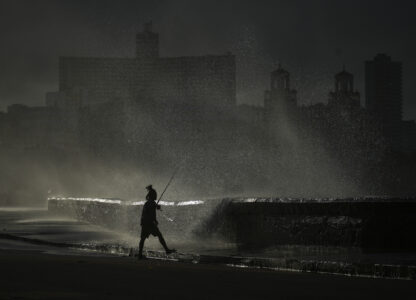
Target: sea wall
(371,223)
(368,223)
(183,219)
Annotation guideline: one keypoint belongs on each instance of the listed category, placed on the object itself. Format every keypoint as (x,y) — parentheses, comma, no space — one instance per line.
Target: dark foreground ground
(34,275)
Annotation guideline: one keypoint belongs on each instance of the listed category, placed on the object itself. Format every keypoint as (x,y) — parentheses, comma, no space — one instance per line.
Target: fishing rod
(170,181)
(167,185)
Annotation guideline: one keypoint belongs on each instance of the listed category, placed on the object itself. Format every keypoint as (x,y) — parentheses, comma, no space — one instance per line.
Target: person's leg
(141,244)
(156,232)
(143,236)
(162,241)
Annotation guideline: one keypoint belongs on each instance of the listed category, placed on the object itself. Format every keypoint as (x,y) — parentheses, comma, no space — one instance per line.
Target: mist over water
(307,169)
(209,167)
(133,140)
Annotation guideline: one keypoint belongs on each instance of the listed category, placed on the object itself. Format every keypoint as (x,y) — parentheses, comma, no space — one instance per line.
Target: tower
(147,43)
(280,98)
(280,103)
(344,98)
(383,88)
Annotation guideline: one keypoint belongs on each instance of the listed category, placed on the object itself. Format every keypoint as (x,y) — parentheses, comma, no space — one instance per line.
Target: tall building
(280,99)
(280,107)
(147,43)
(383,88)
(344,98)
(193,80)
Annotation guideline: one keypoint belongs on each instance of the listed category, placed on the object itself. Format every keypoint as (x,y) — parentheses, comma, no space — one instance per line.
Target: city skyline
(199,82)
(258,48)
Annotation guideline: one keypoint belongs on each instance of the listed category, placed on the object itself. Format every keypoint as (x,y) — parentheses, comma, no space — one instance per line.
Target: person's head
(149,187)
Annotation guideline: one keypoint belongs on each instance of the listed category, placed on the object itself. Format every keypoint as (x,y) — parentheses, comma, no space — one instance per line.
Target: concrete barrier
(368,223)
(177,218)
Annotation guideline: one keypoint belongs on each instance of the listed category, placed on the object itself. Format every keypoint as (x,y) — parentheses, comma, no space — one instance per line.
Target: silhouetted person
(149,222)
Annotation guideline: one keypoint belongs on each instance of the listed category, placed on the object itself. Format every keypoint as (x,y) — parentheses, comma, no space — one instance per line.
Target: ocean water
(30,228)
(37,229)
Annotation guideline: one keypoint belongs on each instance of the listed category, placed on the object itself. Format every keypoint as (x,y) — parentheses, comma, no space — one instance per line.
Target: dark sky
(311,38)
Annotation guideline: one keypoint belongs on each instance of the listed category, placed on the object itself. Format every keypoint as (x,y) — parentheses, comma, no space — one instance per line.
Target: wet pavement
(36,229)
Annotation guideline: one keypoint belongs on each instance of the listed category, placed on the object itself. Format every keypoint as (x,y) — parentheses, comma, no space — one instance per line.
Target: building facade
(344,99)
(195,80)
(280,103)
(383,88)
